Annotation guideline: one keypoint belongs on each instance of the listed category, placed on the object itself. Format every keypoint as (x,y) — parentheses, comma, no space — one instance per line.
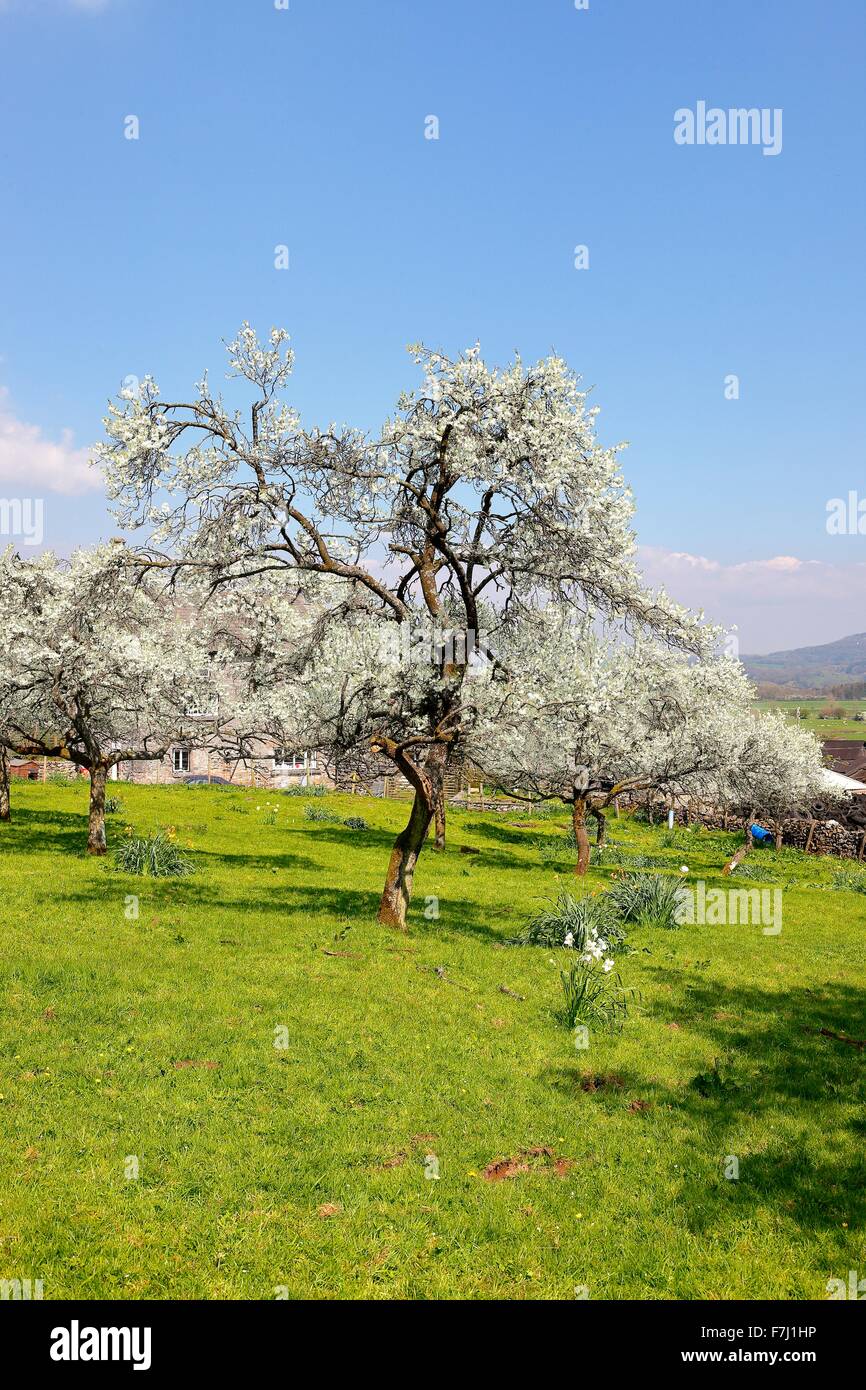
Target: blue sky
(305,127)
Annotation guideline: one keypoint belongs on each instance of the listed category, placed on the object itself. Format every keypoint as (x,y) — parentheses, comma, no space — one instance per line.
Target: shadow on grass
(343,835)
(769,1063)
(261,863)
(291,903)
(32,831)
(383,840)
(522,839)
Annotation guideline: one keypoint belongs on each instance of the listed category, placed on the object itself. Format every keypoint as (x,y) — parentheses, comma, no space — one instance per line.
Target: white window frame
(292,761)
(191,713)
(180,755)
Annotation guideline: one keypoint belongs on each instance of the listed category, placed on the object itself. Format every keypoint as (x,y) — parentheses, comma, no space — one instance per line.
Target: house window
(288,761)
(204,709)
(180,759)
(206,705)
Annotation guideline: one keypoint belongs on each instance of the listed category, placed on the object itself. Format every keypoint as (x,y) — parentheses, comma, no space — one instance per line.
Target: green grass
(388,1062)
(845,727)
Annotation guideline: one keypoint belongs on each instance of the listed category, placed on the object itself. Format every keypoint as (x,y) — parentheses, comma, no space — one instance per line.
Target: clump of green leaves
(54,778)
(713,1083)
(647,900)
(849,879)
(609,855)
(612,853)
(553,847)
(758,873)
(593,997)
(321,813)
(326,817)
(156,856)
(573,922)
(113,805)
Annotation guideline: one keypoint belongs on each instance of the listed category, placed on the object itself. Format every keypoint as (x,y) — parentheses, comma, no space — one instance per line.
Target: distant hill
(812,669)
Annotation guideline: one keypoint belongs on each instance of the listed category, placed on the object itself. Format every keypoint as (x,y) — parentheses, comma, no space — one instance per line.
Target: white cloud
(775,604)
(30,463)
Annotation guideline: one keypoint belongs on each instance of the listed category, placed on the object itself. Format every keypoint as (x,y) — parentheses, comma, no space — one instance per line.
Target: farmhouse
(840,782)
(846,756)
(195,759)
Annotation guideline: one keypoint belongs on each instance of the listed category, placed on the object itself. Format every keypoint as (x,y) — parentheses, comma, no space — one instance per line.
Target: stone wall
(814,836)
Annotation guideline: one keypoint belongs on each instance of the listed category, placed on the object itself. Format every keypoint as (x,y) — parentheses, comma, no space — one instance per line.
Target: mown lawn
(303,1168)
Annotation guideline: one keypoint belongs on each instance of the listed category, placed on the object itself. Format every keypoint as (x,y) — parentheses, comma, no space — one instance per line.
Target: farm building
(841,782)
(27,768)
(191,759)
(846,756)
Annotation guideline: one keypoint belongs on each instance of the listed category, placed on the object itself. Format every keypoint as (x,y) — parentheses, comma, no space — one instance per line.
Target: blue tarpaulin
(759,834)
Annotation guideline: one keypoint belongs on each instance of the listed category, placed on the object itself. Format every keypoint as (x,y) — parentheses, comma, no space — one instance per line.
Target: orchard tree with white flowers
(345,687)
(779,773)
(486,487)
(13,628)
(586,716)
(98,665)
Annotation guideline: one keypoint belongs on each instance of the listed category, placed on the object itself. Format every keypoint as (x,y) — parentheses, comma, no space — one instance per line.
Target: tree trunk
(96,825)
(439,816)
(601,826)
(5,810)
(581,839)
(401,870)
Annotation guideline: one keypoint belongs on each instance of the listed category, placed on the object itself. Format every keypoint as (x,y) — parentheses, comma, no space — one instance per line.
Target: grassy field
(844,727)
(302,1169)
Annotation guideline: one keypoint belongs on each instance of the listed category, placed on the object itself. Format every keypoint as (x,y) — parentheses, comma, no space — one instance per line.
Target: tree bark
(601,826)
(581,838)
(401,870)
(439,817)
(96,843)
(5,808)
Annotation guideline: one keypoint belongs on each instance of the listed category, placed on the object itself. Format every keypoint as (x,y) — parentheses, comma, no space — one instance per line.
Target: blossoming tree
(97,665)
(485,486)
(13,626)
(610,717)
(779,772)
(613,717)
